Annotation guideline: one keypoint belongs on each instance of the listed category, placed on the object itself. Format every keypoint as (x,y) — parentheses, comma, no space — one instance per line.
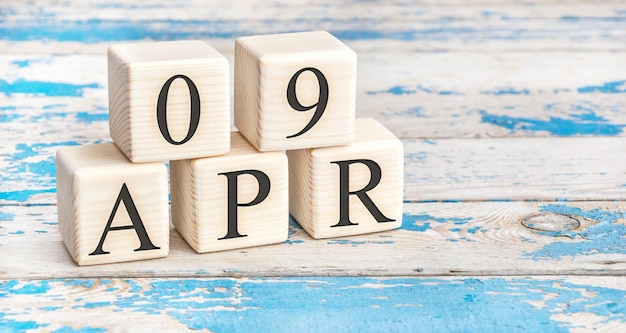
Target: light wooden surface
(511,116)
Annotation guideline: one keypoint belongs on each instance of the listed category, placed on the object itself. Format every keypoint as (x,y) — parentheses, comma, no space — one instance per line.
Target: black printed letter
(264,190)
(344,192)
(146,244)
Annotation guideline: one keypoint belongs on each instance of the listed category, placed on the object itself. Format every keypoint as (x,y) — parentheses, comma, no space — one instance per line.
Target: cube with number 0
(294,90)
(169,100)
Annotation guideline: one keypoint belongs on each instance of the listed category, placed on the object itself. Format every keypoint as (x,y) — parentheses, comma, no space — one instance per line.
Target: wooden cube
(351,189)
(236,200)
(109,209)
(294,90)
(168,100)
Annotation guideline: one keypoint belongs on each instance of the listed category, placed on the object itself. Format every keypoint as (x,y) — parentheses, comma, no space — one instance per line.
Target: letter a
(124,196)
(344,192)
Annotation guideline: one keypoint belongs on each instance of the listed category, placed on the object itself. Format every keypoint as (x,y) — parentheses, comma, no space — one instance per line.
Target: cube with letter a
(350,189)
(110,209)
(168,100)
(236,200)
(294,90)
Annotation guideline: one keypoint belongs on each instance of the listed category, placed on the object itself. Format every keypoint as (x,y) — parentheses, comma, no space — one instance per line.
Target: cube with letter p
(239,199)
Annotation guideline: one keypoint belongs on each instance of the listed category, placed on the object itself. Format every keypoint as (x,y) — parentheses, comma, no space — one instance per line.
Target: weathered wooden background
(512,115)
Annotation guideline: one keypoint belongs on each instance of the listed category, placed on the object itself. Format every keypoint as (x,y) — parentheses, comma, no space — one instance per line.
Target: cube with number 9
(295,90)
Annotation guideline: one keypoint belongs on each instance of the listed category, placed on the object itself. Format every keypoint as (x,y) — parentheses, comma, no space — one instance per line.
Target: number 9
(322,100)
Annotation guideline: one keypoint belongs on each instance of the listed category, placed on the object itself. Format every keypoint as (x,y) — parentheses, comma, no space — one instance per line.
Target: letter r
(345,193)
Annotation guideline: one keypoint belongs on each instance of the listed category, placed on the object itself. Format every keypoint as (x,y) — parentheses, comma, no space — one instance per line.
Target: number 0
(194,120)
(322,100)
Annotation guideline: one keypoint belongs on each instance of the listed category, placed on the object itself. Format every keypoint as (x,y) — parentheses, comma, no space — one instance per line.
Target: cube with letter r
(350,189)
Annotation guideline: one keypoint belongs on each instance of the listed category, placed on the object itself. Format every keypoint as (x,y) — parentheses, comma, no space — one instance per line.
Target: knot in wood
(550,222)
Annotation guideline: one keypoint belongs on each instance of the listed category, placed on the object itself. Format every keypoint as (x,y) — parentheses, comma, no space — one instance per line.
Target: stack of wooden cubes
(299,150)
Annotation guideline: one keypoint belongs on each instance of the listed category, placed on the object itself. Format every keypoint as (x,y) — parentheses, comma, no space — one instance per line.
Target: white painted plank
(435,239)
(433,25)
(429,70)
(435,170)
(421,95)
(515,169)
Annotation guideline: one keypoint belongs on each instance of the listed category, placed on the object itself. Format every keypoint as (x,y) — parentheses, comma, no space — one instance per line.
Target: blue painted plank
(315,304)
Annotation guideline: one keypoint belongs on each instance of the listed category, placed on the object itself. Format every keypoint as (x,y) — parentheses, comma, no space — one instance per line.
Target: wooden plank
(543,77)
(432,25)
(314,304)
(42,111)
(435,170)
(485,238)
(513,94)
(508,169)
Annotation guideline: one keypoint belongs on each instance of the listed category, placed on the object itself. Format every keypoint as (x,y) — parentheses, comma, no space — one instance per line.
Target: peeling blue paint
(6,118)
(96,30)
(501,199)
(86,283)
(92,305)
(606,236)
(356,243)
(421,222)
(4,216)
(23,195)
(51,308)
(14,287)
(21,164)
(410,90)
(614,87)
(586,124)
(294,227)
(67,329)
(10,325)
(355,304)
(474,230)
(414,111)
(43,88)
(86,117)
(507,91)
(21,63)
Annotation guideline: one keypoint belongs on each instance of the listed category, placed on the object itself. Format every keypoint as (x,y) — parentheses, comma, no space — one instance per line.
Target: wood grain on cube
(90,179)
(264,67)
(139,73)
(315,192)
(200,198)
